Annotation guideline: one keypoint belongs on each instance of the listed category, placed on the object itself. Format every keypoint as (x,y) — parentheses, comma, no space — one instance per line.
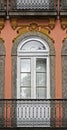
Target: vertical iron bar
(7,8)
(6,114)
(58,8)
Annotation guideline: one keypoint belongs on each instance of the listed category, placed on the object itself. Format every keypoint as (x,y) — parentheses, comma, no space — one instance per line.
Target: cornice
(33,27)
(15,22)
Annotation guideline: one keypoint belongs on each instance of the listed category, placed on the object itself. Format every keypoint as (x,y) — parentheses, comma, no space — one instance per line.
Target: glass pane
(41,65)
(25,79)
(41,93)
(33,45)
(40,79)
(25,93)
(25,65)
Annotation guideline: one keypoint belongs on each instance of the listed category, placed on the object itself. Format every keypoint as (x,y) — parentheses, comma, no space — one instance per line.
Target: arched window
(33,77)
(33,69)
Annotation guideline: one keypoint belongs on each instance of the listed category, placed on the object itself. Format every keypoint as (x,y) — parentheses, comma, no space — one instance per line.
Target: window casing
(33,106)
(33,70)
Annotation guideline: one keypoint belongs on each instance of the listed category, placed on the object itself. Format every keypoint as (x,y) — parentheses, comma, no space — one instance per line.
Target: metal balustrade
(25,7)
(2,8)
(63,5)
(2,5)
(33,113)
(33,5)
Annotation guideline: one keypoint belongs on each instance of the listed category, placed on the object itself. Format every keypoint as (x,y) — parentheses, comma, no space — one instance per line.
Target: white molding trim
(31,39)
(33,55)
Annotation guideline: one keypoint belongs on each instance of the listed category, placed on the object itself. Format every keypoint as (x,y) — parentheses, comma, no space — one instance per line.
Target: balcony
(15,8)
(2,8)
(28,7)
(32,7)
(63,7)
(41,113)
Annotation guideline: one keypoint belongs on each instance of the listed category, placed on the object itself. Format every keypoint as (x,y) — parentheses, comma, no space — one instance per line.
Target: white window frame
(35,54)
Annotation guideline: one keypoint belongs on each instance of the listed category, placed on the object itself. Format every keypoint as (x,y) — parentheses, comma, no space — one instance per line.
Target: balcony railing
(63,7)
(2,8)
(33,113)
(33,7)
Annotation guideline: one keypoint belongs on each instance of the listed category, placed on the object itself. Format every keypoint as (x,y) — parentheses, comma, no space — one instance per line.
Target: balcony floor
(32,13)
(33,128)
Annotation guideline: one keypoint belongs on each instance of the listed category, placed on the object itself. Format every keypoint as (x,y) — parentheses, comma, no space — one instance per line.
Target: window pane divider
(33,77)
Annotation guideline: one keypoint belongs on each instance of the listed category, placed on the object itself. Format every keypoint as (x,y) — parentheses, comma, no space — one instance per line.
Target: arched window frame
(36,54)
(50,43)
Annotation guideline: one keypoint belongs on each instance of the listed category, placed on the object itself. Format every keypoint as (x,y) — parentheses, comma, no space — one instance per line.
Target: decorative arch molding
(52,60)
(64,68)
(2,68)
(30,34)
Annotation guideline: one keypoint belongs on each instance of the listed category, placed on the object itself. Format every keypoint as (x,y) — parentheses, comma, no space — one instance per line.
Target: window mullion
(18,79)
(33,77)
(48,77)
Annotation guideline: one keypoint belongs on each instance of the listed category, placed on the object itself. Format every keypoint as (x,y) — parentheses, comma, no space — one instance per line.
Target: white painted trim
(33,55)
(33,75)
(48,78)
(18,78)
(32,38)
(28,53)
(33,78)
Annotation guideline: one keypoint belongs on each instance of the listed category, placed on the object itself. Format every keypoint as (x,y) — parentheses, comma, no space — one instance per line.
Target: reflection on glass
(25,79)
(33,45)
(25,65)
(25,93)
(41,93)
(41,65)
(40,79)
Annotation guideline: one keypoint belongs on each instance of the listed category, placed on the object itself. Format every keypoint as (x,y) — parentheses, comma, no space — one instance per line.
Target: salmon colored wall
(8,34)
(58,34)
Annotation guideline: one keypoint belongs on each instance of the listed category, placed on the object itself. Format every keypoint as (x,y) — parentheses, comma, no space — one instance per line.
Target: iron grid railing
(3,5)
(37,5)
(63,5)
(33,113)
(54,6)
